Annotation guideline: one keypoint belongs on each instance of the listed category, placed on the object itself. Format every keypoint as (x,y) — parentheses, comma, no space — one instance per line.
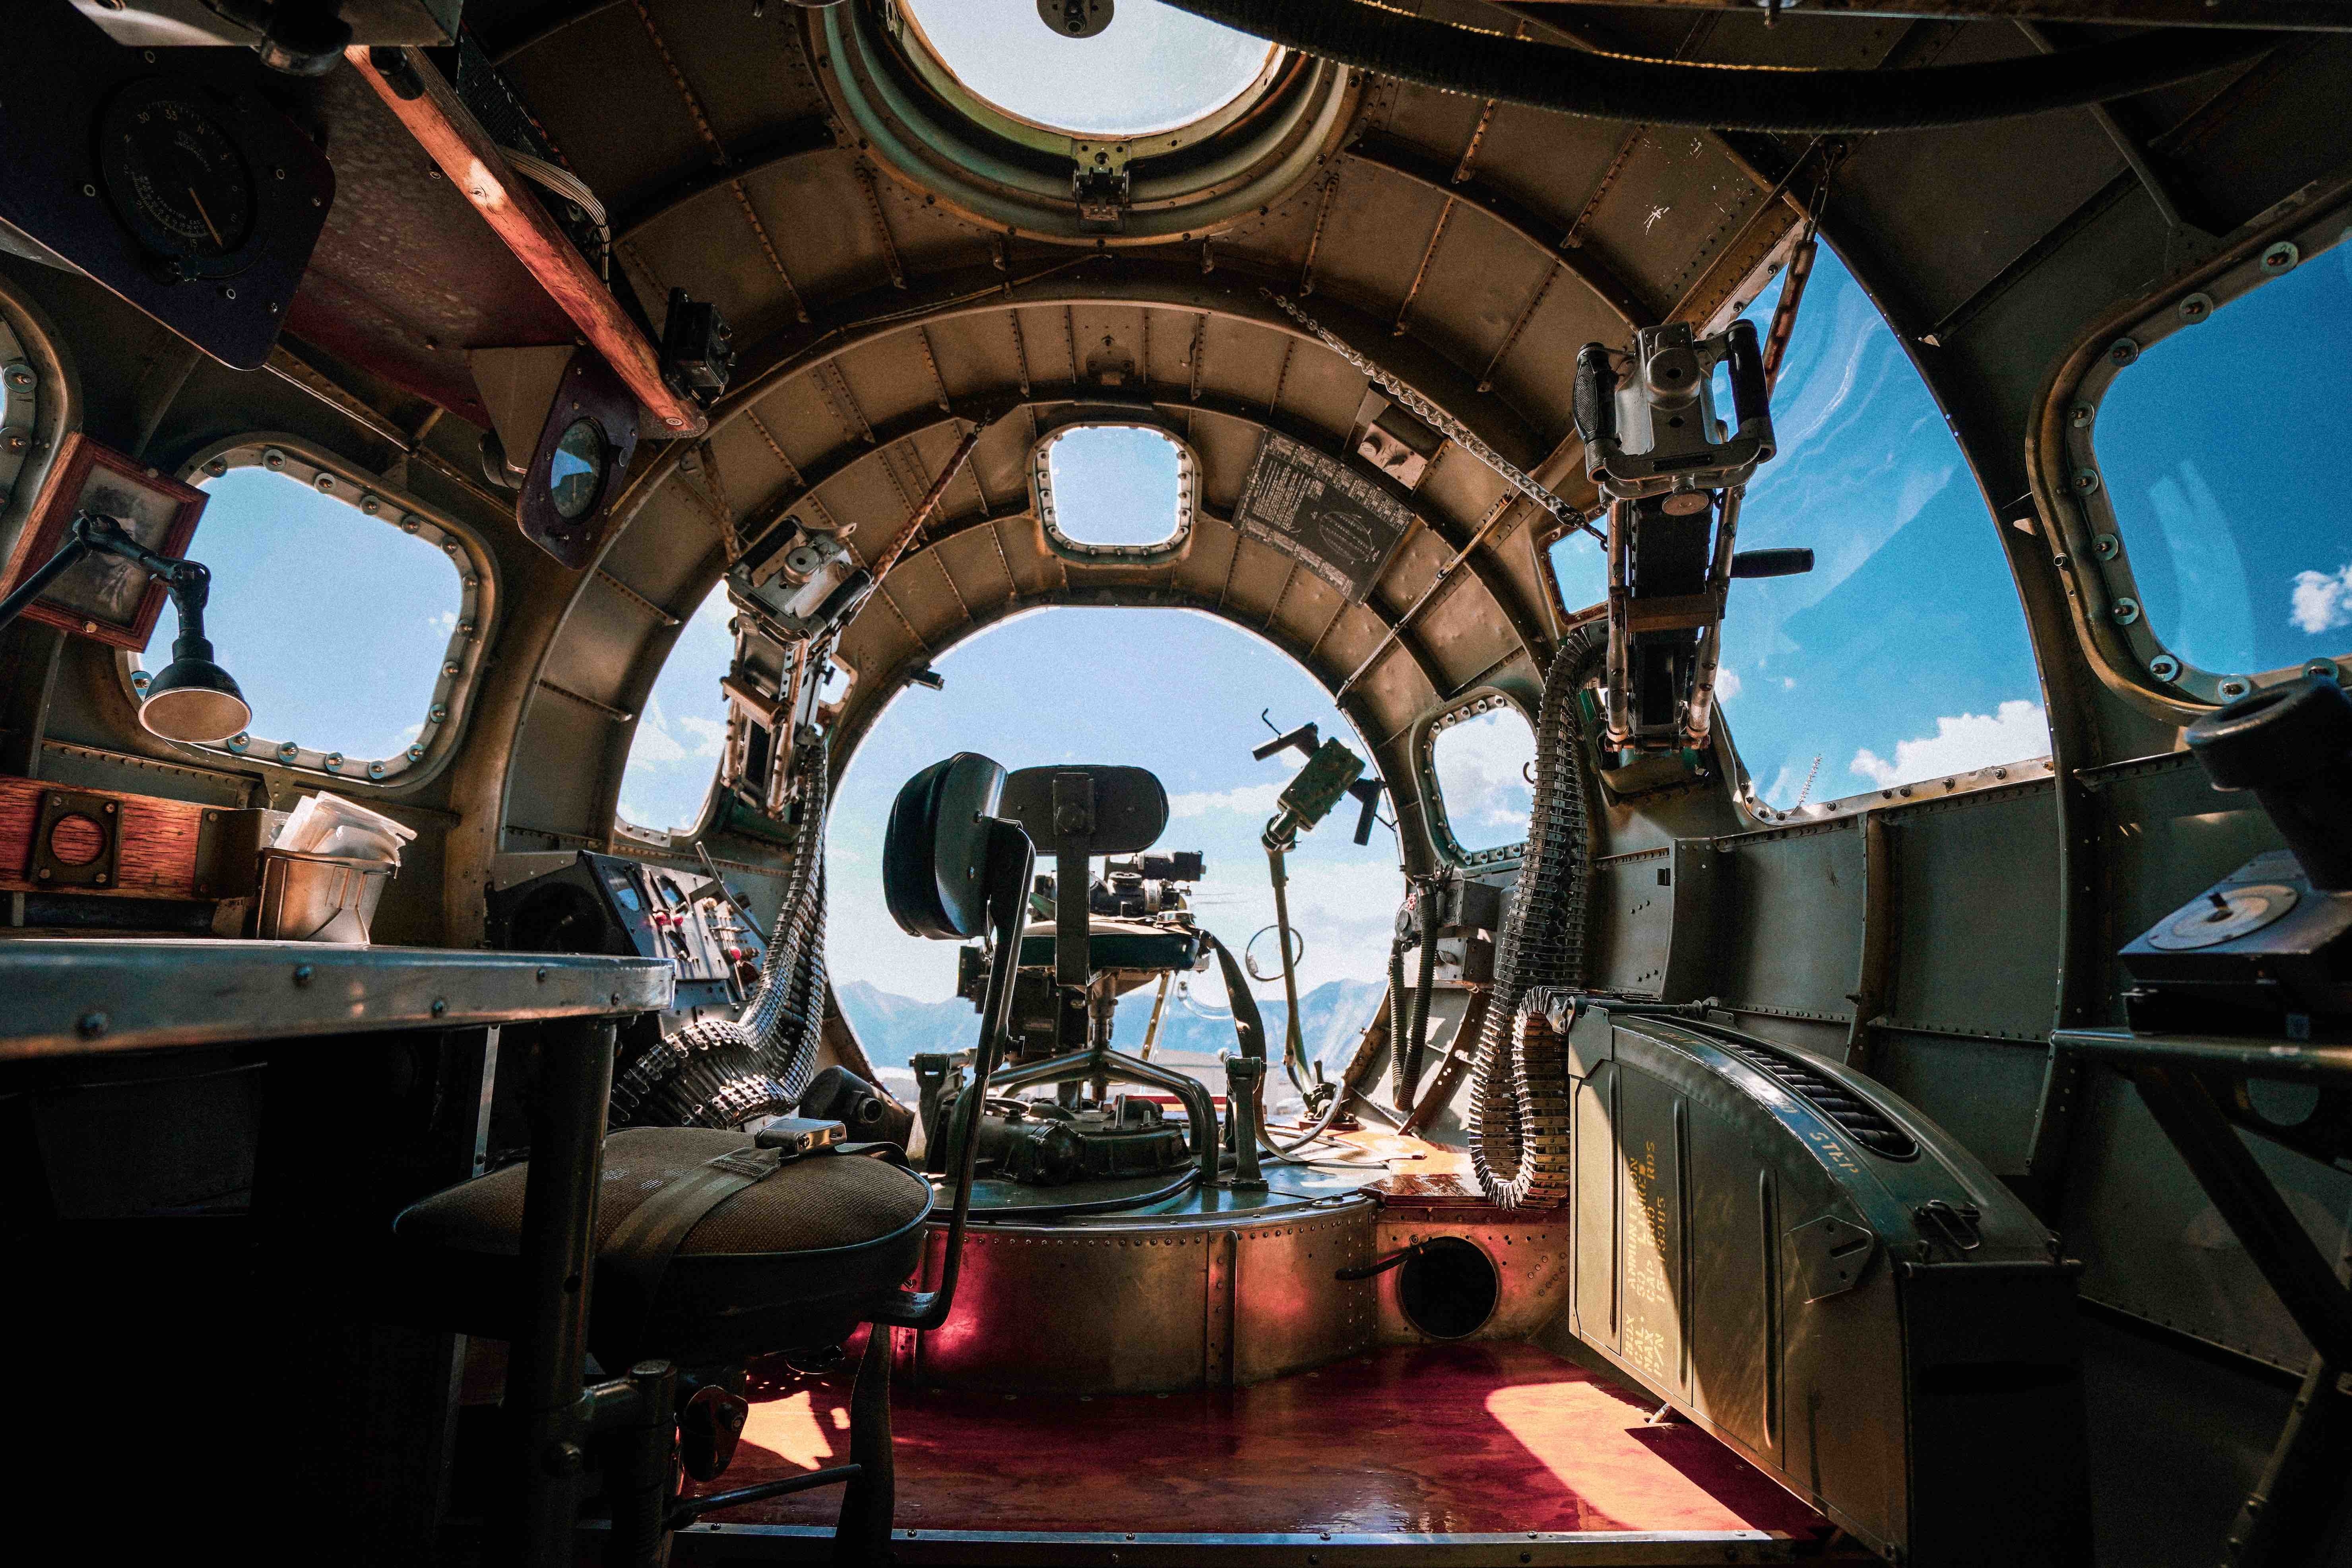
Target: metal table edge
(84,997)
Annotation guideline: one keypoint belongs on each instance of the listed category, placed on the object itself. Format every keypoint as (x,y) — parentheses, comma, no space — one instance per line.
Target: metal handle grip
(1751,399)
(1596,395)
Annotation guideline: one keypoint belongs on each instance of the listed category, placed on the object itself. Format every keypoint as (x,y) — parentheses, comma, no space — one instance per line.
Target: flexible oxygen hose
(1455,58)
(1401,1079)
(1416,1043)
(1518,1117)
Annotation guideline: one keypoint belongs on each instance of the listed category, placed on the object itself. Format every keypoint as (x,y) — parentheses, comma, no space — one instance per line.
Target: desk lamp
(192,698)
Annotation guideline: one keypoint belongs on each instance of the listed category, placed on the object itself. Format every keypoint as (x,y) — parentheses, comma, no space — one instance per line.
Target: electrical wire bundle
(1520,1108)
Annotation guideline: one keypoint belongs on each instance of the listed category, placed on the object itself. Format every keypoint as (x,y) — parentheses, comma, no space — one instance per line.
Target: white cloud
(1481,766)
(1727,684)
(445,621)
(654,742)
(1961,743)
(1249,800)
(1345,908)
(710,735)
(2322,600)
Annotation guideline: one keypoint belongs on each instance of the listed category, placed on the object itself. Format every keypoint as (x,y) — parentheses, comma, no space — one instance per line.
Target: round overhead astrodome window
(1099,122)
(1152,68)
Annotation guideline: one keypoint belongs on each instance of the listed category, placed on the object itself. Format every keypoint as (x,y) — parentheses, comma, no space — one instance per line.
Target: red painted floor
(1471,1437)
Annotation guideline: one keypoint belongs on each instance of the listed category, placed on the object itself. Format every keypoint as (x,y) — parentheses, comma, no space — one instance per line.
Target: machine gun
(1672,474)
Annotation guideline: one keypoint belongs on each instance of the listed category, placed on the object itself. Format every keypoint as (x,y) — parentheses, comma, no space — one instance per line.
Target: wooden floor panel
(1473,1437)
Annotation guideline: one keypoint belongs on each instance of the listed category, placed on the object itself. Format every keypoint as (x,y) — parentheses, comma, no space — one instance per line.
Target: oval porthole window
(577,471)
(351,620)
(1482,758)
(2237,563)
(1122,491)
(1152,68)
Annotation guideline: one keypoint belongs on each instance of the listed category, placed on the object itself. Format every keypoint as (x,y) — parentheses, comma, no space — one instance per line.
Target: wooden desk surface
(63,996)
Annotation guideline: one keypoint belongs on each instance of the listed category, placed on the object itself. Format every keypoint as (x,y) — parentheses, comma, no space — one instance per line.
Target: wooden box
(57,839)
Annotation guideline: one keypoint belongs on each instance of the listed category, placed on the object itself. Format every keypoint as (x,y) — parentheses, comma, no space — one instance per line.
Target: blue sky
(1114,484)
(1152,68)
(1484,771)
(333,623)
(2222,464)
(1171,690)
(1903,654)
(683,728)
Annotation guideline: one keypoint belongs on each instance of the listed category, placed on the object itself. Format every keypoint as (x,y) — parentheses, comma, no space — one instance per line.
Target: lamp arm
(188,582)
(68,554)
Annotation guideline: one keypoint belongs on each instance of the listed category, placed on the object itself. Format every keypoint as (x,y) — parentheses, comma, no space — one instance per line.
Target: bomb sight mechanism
(1672,471)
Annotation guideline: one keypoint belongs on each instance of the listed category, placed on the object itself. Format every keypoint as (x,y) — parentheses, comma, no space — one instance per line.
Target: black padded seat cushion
(789,1262)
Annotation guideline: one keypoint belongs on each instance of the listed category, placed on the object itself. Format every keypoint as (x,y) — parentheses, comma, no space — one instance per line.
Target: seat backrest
(1074,812)
(935,851)
(952,868)
(1126,813)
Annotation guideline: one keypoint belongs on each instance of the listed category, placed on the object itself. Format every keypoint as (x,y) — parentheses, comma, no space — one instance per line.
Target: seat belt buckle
(794,1136)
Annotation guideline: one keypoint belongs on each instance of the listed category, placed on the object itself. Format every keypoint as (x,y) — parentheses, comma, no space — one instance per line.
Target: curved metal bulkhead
(1158,1306)
(1814,1272)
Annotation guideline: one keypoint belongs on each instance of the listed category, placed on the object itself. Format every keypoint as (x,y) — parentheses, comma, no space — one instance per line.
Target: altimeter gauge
(178,179)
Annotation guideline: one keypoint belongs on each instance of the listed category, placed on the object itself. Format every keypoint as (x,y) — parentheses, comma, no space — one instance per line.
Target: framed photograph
(104,596)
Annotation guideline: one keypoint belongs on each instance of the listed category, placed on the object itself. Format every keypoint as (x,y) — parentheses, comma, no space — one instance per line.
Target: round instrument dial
(176,177)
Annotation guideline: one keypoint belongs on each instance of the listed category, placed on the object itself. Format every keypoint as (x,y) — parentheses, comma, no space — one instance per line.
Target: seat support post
(869,1502)
(546,1408)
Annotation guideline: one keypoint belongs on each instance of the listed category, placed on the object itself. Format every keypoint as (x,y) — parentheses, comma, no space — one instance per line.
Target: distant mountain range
(1331,1017)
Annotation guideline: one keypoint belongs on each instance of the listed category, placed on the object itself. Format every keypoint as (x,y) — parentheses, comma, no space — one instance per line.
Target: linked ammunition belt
(1518,1100)
(718,1073)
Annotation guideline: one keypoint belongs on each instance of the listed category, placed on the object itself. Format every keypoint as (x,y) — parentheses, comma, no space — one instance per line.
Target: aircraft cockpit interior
(1048,784)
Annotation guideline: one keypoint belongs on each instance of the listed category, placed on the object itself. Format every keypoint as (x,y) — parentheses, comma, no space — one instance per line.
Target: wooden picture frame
(104,597)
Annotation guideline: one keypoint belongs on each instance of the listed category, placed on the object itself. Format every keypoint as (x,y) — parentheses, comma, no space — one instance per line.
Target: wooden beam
(453,139)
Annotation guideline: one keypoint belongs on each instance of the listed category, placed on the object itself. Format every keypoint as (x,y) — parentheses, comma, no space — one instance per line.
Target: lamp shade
(195,700)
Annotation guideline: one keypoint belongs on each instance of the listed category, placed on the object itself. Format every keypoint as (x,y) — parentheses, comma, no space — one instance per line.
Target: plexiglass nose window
(682,733)
(1901,656)
(2220,450)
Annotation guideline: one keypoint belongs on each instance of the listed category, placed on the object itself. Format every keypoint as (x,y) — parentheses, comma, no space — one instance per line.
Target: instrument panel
(165,176)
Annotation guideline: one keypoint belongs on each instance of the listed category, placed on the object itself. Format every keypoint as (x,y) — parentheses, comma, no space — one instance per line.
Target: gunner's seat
(708,1250)
(712,1247)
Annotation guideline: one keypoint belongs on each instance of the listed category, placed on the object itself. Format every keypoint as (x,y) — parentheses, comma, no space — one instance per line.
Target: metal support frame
(1102,1062)
(546,1412)
(2185,1084)
(1454,1070)
(2302,1488)
(2184,1106)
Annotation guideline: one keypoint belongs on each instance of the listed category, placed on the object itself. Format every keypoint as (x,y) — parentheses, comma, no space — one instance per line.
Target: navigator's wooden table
(305,1007)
